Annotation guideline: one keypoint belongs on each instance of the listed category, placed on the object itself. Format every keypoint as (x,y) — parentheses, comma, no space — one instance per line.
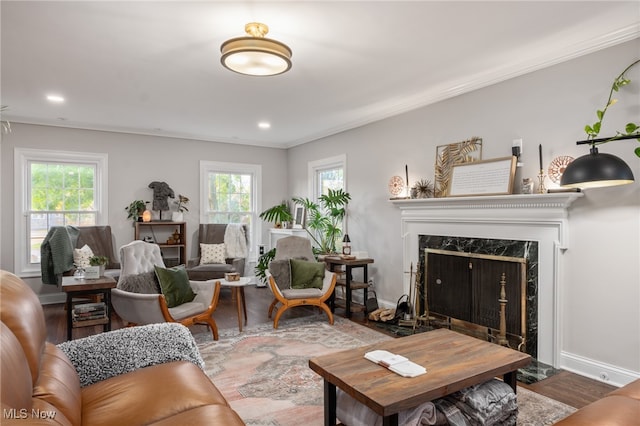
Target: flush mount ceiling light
(255,54)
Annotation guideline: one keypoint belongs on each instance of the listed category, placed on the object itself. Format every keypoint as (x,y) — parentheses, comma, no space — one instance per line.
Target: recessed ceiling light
(264,125)
(55,98)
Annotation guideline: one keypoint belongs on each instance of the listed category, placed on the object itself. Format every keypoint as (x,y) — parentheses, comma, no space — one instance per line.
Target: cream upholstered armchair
(138,298)
(281,276)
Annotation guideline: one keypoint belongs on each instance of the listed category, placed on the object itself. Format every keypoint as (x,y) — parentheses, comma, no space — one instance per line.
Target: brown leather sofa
(40,386)
(620,407)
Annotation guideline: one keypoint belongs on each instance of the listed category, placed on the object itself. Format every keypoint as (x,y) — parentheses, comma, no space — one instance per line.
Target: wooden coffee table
(453,361)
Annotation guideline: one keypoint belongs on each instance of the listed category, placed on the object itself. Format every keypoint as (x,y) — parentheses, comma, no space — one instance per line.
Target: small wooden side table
(237,288)
(75,287)
(336,261)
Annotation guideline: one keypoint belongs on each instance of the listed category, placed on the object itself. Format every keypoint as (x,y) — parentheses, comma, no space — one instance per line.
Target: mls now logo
(13,413)
(23,413)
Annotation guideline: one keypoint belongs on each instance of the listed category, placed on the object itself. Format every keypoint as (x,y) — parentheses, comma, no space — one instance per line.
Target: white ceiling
(154,67)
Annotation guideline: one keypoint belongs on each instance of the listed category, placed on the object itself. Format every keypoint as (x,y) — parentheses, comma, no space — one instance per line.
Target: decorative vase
(177,217)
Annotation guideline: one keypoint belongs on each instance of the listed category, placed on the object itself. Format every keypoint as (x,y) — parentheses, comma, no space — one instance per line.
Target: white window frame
(22,158)
(255,170)
(314,167)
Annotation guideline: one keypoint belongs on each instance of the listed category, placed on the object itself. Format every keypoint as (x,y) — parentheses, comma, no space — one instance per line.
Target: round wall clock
(396,186)
(557,166)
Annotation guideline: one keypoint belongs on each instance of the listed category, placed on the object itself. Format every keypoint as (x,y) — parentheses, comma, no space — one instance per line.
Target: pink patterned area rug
(264,373)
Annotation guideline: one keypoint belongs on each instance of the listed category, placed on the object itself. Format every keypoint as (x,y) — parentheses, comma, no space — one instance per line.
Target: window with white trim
(325,174)
(55,188)
(230,193)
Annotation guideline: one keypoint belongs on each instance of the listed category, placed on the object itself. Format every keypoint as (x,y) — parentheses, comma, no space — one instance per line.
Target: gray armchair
(214,233)
(57,250)
(101,242)
(279,276)
(148,306)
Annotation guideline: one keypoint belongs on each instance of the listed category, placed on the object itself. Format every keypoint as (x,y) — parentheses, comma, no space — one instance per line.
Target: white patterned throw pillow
(81,256)
(212,253)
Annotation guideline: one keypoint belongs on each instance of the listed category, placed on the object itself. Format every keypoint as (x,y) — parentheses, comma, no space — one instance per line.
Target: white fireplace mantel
(531,217)
(537,201)
(530,209)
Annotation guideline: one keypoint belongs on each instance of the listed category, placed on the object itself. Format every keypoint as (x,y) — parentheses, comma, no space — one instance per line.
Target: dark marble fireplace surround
(497,247)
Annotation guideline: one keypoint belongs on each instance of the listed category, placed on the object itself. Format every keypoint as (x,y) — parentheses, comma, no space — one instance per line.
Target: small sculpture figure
(161,191)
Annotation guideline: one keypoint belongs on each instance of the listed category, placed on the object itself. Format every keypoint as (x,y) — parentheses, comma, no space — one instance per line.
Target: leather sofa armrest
(129,349)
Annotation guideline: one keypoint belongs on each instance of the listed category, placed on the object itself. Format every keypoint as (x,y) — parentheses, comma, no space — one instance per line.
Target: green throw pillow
(306,274)
(175,286)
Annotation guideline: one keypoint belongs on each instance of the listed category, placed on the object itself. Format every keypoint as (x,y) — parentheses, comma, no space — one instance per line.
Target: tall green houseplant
(324,223)
(324,219)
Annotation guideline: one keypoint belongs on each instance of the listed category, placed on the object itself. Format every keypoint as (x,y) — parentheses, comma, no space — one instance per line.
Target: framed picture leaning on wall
(449,155)
(299,217)
(490,177)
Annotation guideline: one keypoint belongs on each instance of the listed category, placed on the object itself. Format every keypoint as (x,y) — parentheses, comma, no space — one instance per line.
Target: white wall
(134,162)
(601,287)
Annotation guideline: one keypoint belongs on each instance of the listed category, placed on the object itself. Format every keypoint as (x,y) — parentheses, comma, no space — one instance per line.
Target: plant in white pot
(181,207)
(97,266)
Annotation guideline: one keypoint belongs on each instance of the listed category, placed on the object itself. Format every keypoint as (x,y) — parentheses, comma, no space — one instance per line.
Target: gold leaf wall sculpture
(449,155)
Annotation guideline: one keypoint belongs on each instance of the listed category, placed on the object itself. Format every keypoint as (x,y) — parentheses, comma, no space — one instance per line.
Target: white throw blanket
(235,241)
(351,412)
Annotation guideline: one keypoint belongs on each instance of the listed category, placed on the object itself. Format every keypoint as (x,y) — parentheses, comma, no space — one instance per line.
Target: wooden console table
(334,262)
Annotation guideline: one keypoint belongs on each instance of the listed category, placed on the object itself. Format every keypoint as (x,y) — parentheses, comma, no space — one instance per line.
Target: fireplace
(538,220)
(461,286)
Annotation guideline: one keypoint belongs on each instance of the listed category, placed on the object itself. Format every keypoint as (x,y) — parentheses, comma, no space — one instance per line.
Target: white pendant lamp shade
(255,54)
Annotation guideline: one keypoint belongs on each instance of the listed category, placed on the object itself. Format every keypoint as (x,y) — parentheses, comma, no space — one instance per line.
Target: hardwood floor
(572,389)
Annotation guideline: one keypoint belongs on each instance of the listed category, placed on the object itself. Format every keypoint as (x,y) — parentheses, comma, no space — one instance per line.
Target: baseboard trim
(52,299)
(603,372)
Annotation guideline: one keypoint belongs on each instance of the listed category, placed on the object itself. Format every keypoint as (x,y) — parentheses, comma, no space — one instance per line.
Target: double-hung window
(230,193)
(55,188)
(325,174)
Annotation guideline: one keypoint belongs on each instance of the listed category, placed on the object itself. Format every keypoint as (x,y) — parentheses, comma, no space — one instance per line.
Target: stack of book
(89,311)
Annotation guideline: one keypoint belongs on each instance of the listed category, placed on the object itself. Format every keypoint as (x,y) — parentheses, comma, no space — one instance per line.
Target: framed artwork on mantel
(490,177)
(451,154)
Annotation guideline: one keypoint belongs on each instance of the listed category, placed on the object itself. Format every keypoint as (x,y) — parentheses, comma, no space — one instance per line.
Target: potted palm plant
(280,215)
(324,220)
